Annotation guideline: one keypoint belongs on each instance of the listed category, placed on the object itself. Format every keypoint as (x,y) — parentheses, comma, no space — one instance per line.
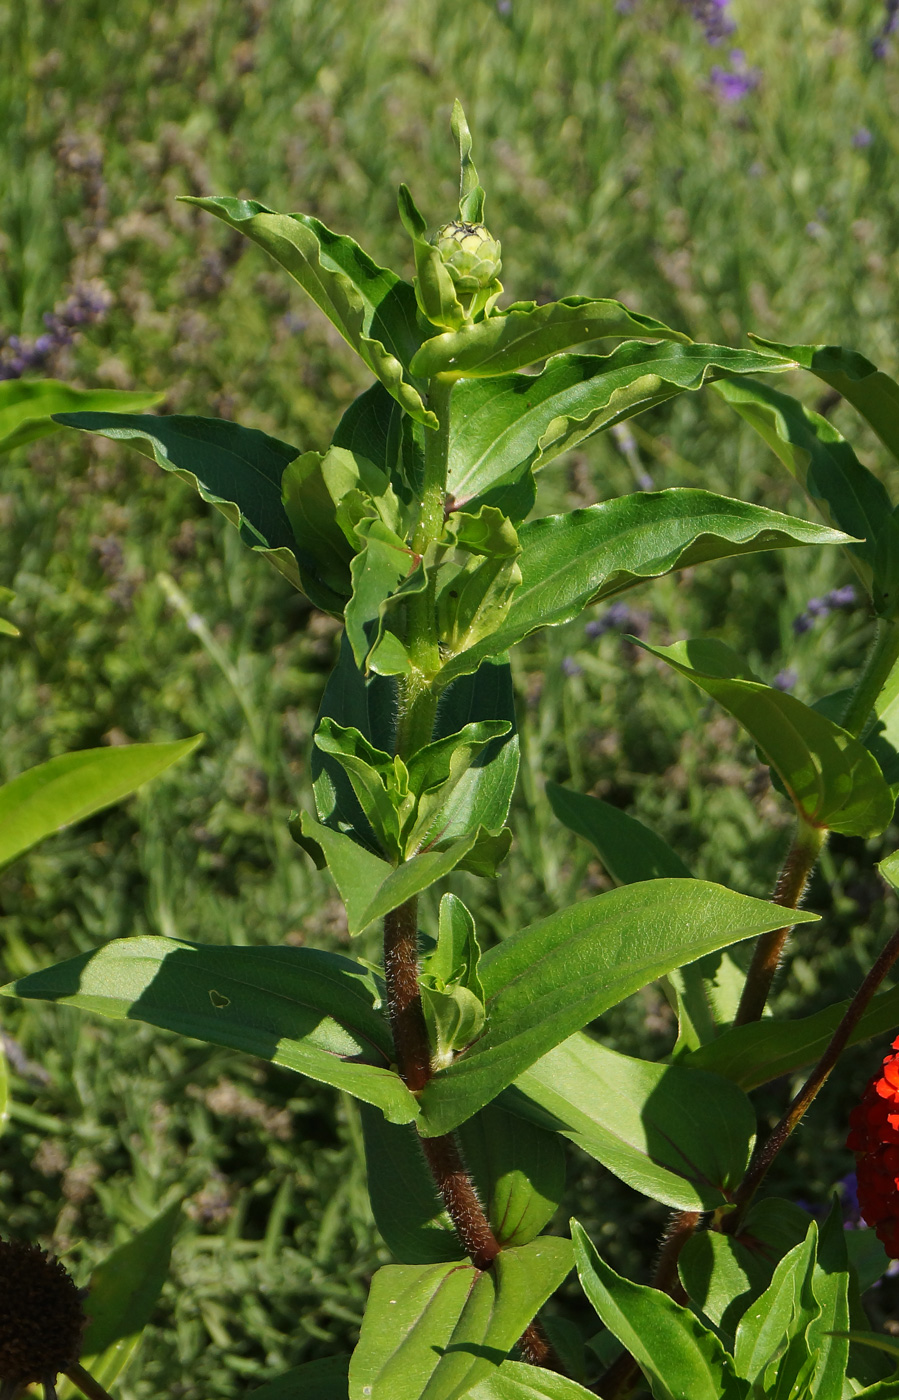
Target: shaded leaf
(526,333)
(311,1011)
(874,394)
(515,1381)
(26,406)
(519,1170)
(628,849)
(325,1379)
(73,786)
(237,470)
(503,429)
(405,1203)
(830,1285)
(568,561)
(771,1341)
(822,461)
(674,1137)
(830,776)
(548,981)
(678,1356)
(430,1332)
(372,308)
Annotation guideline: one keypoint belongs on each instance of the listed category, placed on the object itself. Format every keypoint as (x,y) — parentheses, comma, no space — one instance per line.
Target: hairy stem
(766,1153)
(791,882)
(410,1034)
(882,658)
(461,1200)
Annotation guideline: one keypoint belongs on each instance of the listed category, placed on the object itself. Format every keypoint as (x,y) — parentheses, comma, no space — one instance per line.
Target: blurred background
(722,166)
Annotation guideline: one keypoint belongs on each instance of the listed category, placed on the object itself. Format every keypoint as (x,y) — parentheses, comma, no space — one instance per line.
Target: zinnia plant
(473,1065)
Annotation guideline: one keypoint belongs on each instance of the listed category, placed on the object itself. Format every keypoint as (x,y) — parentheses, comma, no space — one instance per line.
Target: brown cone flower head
(41,1317)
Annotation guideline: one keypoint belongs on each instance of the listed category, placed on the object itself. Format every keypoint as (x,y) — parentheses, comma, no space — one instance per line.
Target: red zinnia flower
(874,1138)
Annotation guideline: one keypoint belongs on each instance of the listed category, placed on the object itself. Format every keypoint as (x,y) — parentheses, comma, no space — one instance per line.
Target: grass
(612,168)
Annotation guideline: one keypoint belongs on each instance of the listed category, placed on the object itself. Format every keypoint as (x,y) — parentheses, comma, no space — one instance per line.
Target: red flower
(874,1138)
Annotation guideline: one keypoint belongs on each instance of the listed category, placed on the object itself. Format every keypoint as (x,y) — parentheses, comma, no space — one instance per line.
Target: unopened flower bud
(470,253)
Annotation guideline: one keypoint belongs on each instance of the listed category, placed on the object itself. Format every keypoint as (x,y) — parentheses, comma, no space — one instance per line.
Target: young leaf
(405,1203)
(515,1381)
(380,782)
(519,1170)
(847,494)
(502,429)
(27,406)
(674,1137)
(471,193)
(772,1342)
(384,563)
(374,426)
(73,786)
(548,981)
(526,333)
(830,1285)
(237,470)
(370,306)
(568,561)
(831,777)
(123,1293)
(435,290)
(432,1332)
(678,1356)
(310,1011)
(628,849)
(451,994)
(435,774)
(326,1379)
(874,394)
(484,792)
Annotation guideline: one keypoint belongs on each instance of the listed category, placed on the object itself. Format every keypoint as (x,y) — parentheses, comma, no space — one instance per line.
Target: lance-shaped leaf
(73,786)
(452,997)
(568,561)
(405,1203)
(830,776)
(502,429)
(755,1054)
(772,1337)
(27,406)
(830,1285)
(378,571)
(431,1332)
(526,333)
(310,1011)
(325,1379)
(237,470)
(435,290)
(824,464)
(471,192)
(369,887)
(372,308)
(515,1381)
(674,1137)
(124,1290)
(548,981)
(874,394)
(881,735)
(678,1356)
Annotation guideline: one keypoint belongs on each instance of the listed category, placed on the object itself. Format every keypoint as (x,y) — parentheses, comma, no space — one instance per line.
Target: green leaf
(369,887)
(847,494)
(435,290)
(568,561)
(515,1381)
(370,306)
(379,781)
(628,849)
(73,786)
(830,776)
(451,994)
(378,570)
(4,1089)
(310,1011)
(678,1356)
(26,406)
(317,1380)
(484,792)
(772,1337)
(6,596)
(674,1137)
(755,1054)
(519,1170)
(405,1203)
(431,1332)
(526,333)
(874,394)
(830,1285)
(237,470)
(548,981)
(437,771)
(123,1293)
(503,429)
(881,737)
(880,1390)
(471,193)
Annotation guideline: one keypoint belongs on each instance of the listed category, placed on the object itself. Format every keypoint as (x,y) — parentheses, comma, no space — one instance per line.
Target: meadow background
(723,167)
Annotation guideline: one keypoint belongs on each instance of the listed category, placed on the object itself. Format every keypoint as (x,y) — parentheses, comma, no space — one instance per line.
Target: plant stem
(882,658)
(410,1034)
(764,1156)
(791,882)
(460,1198)
(86,1383)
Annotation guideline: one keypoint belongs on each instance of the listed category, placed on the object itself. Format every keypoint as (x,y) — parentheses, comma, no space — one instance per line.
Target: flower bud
(470,254)
(874,1138)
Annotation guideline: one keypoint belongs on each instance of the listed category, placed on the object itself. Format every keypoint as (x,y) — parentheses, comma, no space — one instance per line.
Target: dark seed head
(41,1317)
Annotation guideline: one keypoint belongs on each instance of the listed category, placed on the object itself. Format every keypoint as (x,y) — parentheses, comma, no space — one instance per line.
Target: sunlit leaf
(26,406)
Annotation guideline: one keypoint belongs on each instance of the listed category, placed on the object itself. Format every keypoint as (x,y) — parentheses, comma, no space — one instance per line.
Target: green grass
(613,169)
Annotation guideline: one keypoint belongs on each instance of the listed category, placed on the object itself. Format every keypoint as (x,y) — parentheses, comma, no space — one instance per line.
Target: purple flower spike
(817,607)
(570,667)
(785,680)
(862,138)
(802,623)
(845,597)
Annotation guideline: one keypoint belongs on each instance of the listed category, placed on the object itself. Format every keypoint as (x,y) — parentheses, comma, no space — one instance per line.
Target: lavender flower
(785,680)
(845,597)
(616,617)
(862,138)
(88,303)
(570,667)
(880,45)
(734,83)
(713,16)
